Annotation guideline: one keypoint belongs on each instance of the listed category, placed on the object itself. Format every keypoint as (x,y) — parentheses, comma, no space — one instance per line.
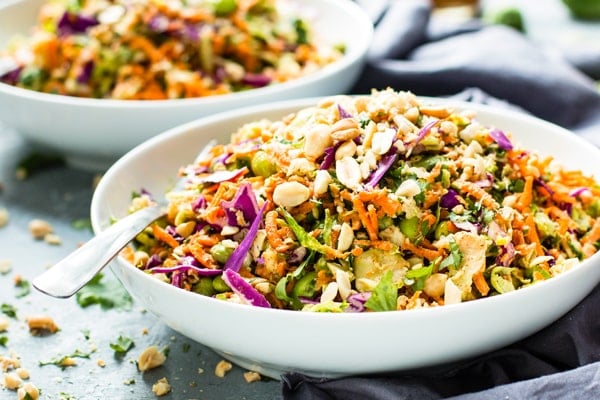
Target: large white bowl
(95,132)
(322,344)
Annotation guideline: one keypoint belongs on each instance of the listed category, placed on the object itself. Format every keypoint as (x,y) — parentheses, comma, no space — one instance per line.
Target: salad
(370,203)
(164,49)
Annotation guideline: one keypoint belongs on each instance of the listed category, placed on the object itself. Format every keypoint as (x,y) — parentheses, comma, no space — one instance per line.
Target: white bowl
(94,132)
(325,344)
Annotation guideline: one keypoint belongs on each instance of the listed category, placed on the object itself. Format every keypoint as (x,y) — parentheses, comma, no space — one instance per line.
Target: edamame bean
(220,252)
(262,165)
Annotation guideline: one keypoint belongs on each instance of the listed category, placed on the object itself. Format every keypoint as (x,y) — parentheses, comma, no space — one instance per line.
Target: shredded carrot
(201,255)
(532,234)
(359,207)
(593,234)
(480,283)
(162,235)
(418,251)
(526,196)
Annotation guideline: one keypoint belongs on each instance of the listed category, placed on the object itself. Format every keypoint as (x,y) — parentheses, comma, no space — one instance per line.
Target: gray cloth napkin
(495,65)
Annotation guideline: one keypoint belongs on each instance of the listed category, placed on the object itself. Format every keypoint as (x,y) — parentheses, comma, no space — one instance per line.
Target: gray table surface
(61,196)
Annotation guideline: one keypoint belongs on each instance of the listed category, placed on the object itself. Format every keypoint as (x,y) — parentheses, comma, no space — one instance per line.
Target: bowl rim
(175,133)
(356,52)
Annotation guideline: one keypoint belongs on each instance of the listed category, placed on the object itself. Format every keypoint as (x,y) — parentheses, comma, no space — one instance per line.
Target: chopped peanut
(3,217)
(12,381)
(29,391)
(150,358)
(161,387)
(3,324)
(251,376)
(222,368)
(39,228)
(22,373)
(41,324)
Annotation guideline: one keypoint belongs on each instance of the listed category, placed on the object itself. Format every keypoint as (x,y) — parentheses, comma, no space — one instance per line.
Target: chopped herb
(108,293)
(82,224)
(454,258)
(35,162)
(86,333)
(385,295)
(61,361)
(23,288)
(122,345)
(301,31)
(8,310)
(3,340)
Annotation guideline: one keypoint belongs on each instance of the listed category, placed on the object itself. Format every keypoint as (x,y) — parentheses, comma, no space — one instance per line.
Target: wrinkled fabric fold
(498,66)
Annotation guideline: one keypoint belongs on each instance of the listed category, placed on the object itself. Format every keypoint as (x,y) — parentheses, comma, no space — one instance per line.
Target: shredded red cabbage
(243,289)
(153,261)
(449,200)
(356,301)
(185,268)
(158,23)
(578,191)
(71,23)
(220,176)
(500,138)
(329,157)
(384,165)
(343,112)
(424,131)
(244,201)
(86,73)
(9,71)
(256,80)
(199,203)
(236,259)
(542,183)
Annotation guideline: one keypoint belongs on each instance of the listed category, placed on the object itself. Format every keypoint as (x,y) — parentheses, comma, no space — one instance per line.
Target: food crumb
(28,392)
(130,381)
(145,331)
(252,376)
(200,371)
(40,324)
(22,373)
(3,324)
(53,239)
(9,362)
(222,368)
(11,381)
(68,362)
(101,363)
(39,228)
(161,387)
(5,266)
(3,217)
(150,358)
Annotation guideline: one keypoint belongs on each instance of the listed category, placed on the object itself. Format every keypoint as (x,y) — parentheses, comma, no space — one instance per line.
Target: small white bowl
(93,133)
(271,341)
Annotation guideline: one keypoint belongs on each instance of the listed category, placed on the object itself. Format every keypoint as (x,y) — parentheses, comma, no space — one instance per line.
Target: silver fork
(71,273)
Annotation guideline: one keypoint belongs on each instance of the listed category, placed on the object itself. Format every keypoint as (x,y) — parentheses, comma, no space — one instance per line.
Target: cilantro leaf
(8,310)
(122,345)
(385,295)
(63,361)
(3,341)
(23,288)
(108,293)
